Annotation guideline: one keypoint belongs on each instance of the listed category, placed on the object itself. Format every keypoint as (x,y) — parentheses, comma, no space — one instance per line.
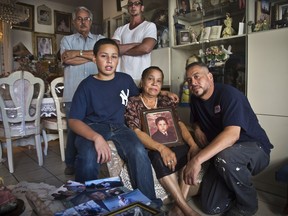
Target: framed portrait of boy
(162,126)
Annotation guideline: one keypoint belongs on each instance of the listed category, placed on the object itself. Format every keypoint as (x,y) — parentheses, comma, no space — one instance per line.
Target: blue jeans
(229,178)
(70,151)
(129,148)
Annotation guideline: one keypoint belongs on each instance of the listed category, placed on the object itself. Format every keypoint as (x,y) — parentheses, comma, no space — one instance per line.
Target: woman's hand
(168,157)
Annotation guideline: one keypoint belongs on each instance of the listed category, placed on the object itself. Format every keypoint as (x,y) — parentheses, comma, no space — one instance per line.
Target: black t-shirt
(228,107)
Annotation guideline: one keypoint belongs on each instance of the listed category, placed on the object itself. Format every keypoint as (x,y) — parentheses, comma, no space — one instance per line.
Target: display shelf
(196,17)
(233,39)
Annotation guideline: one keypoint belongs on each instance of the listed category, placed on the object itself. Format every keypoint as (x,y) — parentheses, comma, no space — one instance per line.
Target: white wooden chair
(20,102)
(58,123)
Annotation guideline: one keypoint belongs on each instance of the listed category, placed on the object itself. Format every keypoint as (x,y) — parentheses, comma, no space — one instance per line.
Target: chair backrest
(21,94)
(57,88)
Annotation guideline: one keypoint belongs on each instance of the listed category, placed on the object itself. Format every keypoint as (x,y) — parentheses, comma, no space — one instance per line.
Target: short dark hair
(147,70)
(104,41)
(161,118)
(200,64)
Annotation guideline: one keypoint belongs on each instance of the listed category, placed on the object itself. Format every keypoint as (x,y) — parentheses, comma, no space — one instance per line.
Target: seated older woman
(166,161)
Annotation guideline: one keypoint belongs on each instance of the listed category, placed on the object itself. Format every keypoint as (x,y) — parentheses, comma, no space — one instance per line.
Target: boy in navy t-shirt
(97,115)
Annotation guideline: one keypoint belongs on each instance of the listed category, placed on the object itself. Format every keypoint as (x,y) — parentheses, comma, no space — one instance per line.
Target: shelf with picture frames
(210,18)
(204,15)
(235,39)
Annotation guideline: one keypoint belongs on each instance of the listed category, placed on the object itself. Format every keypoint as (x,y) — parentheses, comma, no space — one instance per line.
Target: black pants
(229,178)
(160,169)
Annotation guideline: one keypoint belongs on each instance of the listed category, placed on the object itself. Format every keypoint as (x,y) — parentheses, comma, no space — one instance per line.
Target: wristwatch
(81,53)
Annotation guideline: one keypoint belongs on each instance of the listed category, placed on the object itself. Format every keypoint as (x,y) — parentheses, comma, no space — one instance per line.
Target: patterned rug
(37,197)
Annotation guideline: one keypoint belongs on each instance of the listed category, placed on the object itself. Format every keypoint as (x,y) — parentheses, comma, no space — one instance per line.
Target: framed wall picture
(162,126)
(43,44)
(184,37)
(282,11)
(27,25)
(62,22)
(44,15)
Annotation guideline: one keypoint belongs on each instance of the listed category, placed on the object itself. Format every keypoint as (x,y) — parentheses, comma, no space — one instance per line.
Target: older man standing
(77,58)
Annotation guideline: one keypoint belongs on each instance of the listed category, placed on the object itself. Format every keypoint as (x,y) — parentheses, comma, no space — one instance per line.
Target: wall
(26,37)
(267,91)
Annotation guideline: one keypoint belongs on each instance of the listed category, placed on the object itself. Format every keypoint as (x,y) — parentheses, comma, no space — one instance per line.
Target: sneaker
(234,211)
(69,170)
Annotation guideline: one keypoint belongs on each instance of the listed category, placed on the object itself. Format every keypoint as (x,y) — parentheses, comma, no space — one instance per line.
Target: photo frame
(215,32)
(44,44)
(136,207)
(282,9)
(205,34)
(44,15)
(161,116)
(27,25)
(62,22)
(184,37)
(183,6)
(262,11)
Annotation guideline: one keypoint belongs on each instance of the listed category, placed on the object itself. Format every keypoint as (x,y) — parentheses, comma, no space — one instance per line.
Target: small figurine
(185,97)
(258,26)
(228,30)
(265,25)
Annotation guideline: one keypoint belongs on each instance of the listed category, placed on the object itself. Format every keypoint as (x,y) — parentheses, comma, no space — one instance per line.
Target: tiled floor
(27,169)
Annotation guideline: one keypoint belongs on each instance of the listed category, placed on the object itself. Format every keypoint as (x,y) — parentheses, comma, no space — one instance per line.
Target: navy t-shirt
(228,107)
(98,101)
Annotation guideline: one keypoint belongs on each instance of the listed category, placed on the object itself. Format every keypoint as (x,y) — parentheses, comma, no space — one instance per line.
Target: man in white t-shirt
(136,40)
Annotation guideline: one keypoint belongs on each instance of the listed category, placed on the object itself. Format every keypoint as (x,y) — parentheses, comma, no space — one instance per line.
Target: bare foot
(175,211)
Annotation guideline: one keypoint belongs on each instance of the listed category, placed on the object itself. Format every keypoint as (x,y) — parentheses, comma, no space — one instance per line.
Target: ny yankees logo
(124,97)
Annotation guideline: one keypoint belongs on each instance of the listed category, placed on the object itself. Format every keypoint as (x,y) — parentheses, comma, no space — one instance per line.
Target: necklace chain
(155,106)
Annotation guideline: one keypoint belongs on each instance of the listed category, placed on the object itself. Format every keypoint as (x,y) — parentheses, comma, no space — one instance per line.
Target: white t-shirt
(134,65)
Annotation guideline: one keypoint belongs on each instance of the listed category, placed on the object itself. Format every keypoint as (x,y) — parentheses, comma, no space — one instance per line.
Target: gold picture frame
(62,22)
(27,25)
(44,44)
(135,207)
(152,118)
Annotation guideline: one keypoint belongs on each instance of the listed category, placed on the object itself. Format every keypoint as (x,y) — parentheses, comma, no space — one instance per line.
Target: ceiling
(87,3)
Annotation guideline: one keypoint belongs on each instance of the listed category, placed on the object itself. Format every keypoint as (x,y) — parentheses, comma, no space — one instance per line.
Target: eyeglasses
(130,4)
(84,19)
